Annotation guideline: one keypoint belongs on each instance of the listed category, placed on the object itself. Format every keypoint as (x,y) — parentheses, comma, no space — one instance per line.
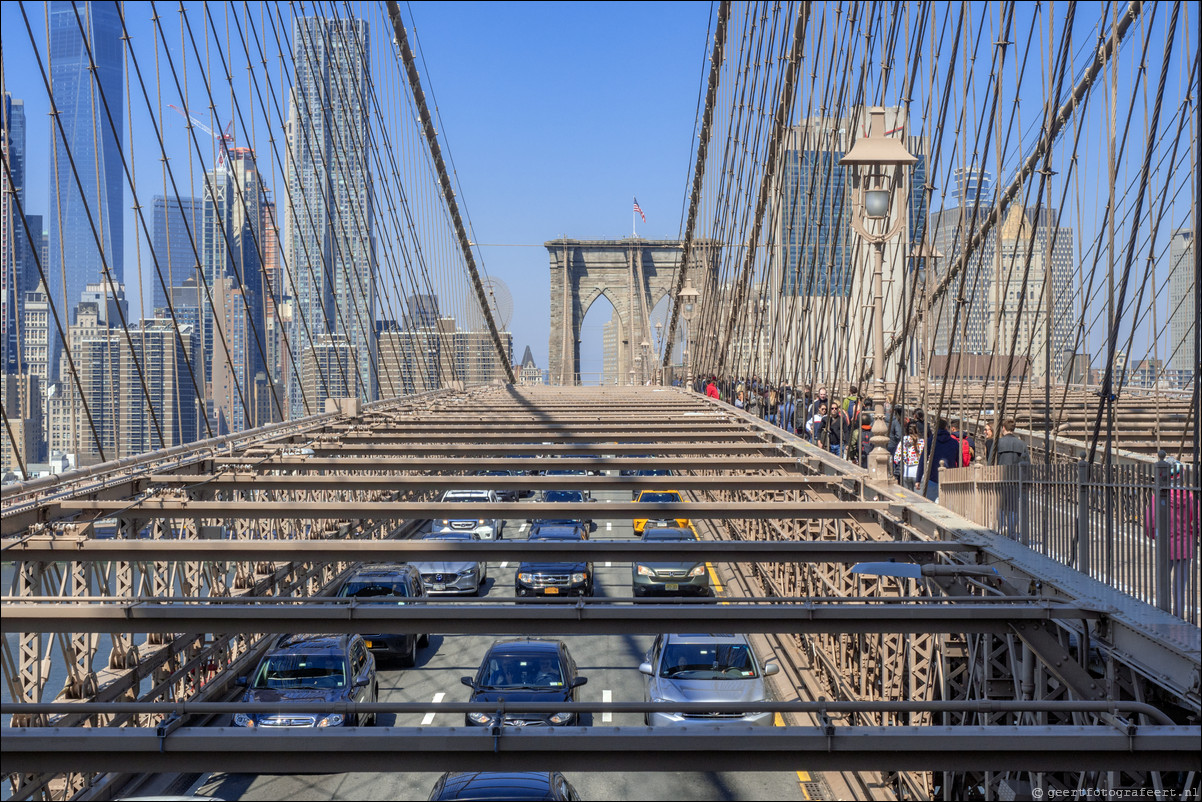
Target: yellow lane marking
(803,777)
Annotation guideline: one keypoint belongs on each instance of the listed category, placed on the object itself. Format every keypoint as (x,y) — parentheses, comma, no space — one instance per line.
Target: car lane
(609,661)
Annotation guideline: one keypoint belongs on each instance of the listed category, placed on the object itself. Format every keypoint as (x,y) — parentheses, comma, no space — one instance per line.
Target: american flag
(639,210)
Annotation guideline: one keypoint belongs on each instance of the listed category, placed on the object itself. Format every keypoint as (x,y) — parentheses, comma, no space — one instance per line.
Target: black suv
(311,668)
(555,579)
(390,583)
(528,670)
(503,785)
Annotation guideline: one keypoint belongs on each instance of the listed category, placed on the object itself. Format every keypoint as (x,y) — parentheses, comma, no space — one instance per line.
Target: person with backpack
(945,448)
(1011,450)
(838,429)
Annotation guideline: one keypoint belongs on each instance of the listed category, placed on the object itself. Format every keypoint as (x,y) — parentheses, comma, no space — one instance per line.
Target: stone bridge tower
(633,274)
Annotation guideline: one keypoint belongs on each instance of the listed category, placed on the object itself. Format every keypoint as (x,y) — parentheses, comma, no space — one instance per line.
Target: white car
(483,528)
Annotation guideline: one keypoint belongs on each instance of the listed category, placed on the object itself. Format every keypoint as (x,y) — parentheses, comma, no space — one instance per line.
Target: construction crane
(227,137)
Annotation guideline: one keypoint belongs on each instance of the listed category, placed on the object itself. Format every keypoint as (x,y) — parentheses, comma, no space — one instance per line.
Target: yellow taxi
(659,496)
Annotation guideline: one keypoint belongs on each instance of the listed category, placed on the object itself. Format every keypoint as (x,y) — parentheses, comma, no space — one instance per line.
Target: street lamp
(687,299)
(659,346)
(878,156)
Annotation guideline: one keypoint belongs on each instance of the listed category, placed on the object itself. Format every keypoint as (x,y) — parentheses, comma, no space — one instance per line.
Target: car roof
(310,643)
(453,493)
(525,646)
(677,532)
(380,568)
(688,638)
(468,785)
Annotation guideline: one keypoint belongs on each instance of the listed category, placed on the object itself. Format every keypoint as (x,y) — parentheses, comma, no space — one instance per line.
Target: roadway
(609,661)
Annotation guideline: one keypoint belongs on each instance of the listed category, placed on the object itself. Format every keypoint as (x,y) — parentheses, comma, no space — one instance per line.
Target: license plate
(440,586)
(369,644)
(672,586)
(550,591)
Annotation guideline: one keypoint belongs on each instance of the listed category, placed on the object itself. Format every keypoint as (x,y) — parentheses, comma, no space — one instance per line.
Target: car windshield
(667,534)
(707,661)
(654,472)
(669,496)
(527,671)
(366,588)
(567,472)
(481,497)
(557,534)
(448,536)
(563,495)
(302,671)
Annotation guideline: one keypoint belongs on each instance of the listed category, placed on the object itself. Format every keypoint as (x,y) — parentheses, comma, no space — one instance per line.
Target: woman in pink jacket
(1182,538)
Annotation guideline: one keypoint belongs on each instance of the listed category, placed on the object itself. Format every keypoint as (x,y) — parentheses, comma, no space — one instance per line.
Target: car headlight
(470,571)
(644,570)
(698,571)
(578,578)
(659,699)
(243,720)
(562,718)
(480,718)
(332,720)
(525,577)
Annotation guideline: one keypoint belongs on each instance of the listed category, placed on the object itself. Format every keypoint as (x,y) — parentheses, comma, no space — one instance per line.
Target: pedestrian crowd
(842,424)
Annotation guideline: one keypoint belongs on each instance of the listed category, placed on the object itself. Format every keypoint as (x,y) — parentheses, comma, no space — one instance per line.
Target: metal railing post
(1164,590)
(1083,552)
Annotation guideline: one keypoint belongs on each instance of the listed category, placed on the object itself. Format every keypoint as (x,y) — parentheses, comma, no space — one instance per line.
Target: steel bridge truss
(151,584)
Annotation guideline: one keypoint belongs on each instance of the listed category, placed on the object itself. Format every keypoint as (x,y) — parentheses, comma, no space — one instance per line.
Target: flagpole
(634,222)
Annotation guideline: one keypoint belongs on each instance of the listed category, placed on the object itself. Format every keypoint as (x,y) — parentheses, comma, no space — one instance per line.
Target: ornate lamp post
(687,298)
(643,360)
(659,347)
(878,156)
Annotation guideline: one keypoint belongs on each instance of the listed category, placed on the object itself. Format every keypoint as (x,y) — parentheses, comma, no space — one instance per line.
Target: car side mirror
(576,683)
(645,668)
(361,682)
(468,682)
(592,526)
(770,669)
(243,681)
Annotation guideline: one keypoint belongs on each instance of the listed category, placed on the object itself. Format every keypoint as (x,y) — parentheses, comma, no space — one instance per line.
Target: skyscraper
(1000,316)
(178,242)
(13,242)
(233,237)
(825,265)
(80,96)
(329,215)
(1183,309)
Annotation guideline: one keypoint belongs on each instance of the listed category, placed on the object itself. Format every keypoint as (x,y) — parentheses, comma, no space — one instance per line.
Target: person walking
(1182,540)
(945,448)
(1011,450)
(908,456)
(838,428)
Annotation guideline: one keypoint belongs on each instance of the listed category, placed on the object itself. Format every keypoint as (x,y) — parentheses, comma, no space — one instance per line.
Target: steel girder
(717,748)
(535,616)
(88,550)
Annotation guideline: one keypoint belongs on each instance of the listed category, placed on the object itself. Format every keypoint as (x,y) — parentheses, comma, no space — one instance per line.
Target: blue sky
(557,115)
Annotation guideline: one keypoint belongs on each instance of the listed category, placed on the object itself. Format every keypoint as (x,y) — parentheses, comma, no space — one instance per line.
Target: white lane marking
(429,719)
(522,528)
(609,565)
(609,526)
(504,564)
(607,697)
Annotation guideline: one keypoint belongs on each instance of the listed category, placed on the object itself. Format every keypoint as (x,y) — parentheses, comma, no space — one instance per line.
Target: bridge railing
(1134,527)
